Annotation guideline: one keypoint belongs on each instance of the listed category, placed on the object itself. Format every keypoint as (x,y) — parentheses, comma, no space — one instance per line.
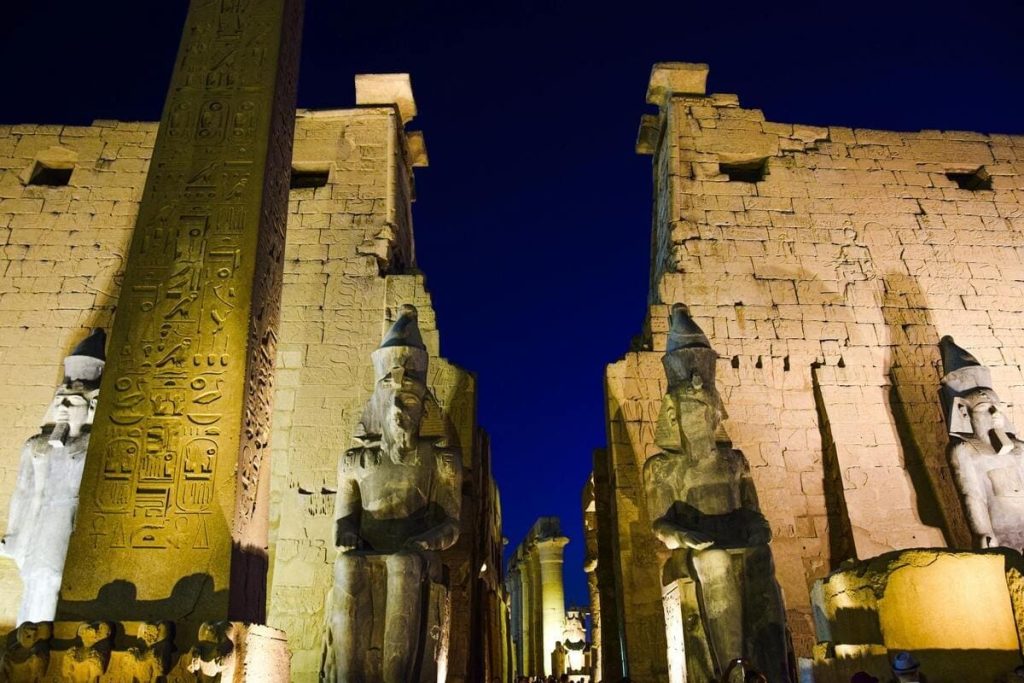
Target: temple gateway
(231,450)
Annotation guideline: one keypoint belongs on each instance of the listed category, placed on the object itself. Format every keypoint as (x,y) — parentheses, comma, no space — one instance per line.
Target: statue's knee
(407,563)
(348,574)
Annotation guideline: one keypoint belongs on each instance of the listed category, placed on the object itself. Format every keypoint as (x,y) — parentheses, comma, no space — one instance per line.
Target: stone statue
(397,507)
(28,652)
(45,498)
(152,658)
(701,497)
(213,657)
(986,457)
(88,660)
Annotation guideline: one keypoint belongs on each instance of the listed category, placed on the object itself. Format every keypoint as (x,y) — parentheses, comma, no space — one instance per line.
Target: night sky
(533,219)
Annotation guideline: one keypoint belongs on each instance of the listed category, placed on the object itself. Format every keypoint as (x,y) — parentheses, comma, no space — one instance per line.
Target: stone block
(676,78)
(393,89)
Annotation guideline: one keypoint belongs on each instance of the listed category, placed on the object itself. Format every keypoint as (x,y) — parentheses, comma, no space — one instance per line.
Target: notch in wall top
(676,78)
(417,149)
(647,136)
(51,167)
(393,89)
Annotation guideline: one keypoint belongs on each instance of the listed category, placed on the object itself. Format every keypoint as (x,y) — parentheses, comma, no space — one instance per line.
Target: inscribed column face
(172,519)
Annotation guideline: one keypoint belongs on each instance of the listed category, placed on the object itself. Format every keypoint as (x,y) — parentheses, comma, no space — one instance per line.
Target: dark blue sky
(533,220)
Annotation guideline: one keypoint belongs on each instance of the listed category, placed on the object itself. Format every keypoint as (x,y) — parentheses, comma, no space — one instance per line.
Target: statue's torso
(1001,477)
(705,494)
(396,497)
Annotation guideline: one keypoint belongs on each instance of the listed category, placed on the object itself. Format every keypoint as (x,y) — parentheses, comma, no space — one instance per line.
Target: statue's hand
(695,540)
(8,546)
(440,537)
(675,536)
(348,540)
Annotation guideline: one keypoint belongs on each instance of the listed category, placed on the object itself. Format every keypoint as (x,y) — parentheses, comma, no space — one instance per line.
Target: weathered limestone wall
(349,243)
(825,286)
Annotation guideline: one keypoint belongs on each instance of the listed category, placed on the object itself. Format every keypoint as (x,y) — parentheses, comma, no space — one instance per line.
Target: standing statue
(397,507)
(45,496)
(987,459)
(701,496)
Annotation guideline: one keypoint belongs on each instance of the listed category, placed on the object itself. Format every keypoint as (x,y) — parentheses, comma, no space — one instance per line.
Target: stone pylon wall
(349,243)
(824,286)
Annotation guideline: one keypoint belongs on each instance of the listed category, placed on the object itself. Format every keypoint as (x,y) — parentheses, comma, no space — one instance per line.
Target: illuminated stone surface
(45,496)
(399,494)
(537,597)
(959,612)
(702,496)
(172,521)
(336,302)
(824,264)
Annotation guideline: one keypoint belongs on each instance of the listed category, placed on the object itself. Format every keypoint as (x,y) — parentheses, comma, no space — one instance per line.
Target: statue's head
(574,631)
(978,413)
(400,369)
(74,404)
(692,410)
(153,632)
(93,632)
(972,408)
(30,633)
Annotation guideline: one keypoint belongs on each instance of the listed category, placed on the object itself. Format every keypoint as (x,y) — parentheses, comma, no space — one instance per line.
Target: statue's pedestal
(689,657)
(960,613)
(118,652)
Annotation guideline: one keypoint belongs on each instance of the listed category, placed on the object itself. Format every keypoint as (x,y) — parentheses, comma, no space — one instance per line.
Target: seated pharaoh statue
(45,498)
(397,506)
(986,457)
(700,494)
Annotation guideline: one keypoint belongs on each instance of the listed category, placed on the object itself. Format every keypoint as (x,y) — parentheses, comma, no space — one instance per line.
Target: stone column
(536,613)
(549,553)
(173,516)
(526,616)
(515,592)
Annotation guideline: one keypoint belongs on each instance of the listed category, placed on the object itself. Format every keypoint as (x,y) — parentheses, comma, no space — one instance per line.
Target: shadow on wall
(915,406)
(840,530)
(118,601)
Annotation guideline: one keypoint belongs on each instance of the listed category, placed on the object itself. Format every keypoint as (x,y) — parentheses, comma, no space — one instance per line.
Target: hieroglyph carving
(701,496)
(176,467)
(45,495)
(986,457)
(398,506)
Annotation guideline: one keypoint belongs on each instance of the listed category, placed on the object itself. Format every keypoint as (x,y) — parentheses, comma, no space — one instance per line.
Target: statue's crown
(689,359)
(961,371)
(86,361)
(402,346)
(962,374)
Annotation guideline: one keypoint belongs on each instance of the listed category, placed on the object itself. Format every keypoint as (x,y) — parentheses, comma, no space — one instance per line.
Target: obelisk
(172,523)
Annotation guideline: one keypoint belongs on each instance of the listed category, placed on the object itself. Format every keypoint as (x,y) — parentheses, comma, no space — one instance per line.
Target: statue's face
(574,631)
(71,409)
(28,634)
(404,411)
(695,415)
(987,413)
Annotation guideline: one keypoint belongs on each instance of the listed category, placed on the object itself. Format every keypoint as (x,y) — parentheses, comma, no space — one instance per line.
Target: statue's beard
(1001,441)
(60,434)
(400,445)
